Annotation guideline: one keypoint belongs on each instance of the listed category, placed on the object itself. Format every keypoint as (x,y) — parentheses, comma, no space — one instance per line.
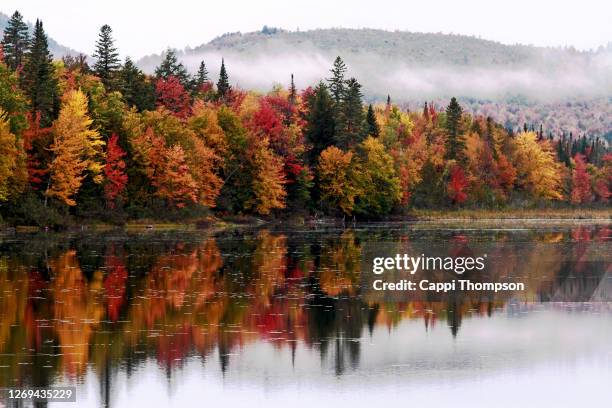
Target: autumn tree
(336,178)
(76,150)
(114,172)
(268,179)
(581,181)
(174,182)
(107,58)
(38,78)
(15,41)
(457,185)
(172,95)
(13,173)
(379,186)
(538,171)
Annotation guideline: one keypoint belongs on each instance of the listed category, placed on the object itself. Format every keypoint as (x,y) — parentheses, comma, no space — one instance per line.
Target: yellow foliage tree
(379,189)
(336,179)
(268,183)
(77,149)
(538,171)
(13,173)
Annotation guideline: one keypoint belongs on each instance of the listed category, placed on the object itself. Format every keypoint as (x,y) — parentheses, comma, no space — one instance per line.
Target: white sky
(145,27)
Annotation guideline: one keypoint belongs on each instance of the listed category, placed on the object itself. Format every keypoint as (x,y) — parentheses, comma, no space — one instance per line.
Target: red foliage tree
(114,172)
(172,95)
(581,181)
(36,142)
(457,185)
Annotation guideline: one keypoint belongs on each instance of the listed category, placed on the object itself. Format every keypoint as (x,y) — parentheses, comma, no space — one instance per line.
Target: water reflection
(73,305)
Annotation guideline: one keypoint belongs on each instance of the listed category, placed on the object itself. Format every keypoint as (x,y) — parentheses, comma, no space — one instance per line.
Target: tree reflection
(119,301)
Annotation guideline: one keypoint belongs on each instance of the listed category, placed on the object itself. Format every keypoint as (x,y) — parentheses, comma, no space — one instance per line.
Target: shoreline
(214,224)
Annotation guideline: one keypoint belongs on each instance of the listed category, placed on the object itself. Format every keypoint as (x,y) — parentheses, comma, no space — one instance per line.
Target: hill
(562,88)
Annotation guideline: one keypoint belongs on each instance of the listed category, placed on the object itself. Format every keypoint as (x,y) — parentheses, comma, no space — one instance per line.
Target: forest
(108,142)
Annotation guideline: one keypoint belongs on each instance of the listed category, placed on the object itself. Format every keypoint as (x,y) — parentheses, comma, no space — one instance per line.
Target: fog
(548,77)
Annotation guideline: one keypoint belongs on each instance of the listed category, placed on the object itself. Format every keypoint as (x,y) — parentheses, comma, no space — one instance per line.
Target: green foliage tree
(38,78)
(350,129)
(372,124)
(137,90)
(320,126)
(378,184)
(12,100)
(201,77)
(336,81)
(15,41)
(107,63)
(171,66)
(223,86)
(292,92)
(455,143)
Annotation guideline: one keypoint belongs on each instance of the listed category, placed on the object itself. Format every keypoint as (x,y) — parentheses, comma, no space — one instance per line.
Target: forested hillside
(563,89)
(109,142)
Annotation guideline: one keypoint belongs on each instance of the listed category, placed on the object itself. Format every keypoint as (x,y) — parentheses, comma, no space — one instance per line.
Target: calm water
(275,317)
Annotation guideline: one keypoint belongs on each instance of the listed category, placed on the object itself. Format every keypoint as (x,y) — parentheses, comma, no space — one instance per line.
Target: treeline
(112,143)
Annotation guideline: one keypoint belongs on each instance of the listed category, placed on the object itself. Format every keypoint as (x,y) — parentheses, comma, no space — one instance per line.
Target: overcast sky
(145,27)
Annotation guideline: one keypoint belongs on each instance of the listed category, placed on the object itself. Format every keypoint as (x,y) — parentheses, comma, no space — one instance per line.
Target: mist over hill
(56,48)
(410,66)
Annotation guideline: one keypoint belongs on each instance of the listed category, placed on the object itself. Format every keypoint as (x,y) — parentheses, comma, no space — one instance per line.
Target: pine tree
(292,91)
(38,80)
(373,128)
(455,144)
(15,41)
(107,63)
(320,127)
(135,88)
(201,77)
(170,66)
(350,122)
(336,82)
(223,86)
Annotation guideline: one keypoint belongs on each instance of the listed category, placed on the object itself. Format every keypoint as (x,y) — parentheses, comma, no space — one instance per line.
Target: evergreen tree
(455,144)
(223,86)
(201,77)
(170,66)
(38,80)
(292,91)
(372,124)
(15,41)
(336,82)
(320,122)
(350,122)
(107,63)
(136,89)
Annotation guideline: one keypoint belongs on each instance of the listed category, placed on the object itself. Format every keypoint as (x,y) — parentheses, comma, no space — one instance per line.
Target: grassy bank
(514,213)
